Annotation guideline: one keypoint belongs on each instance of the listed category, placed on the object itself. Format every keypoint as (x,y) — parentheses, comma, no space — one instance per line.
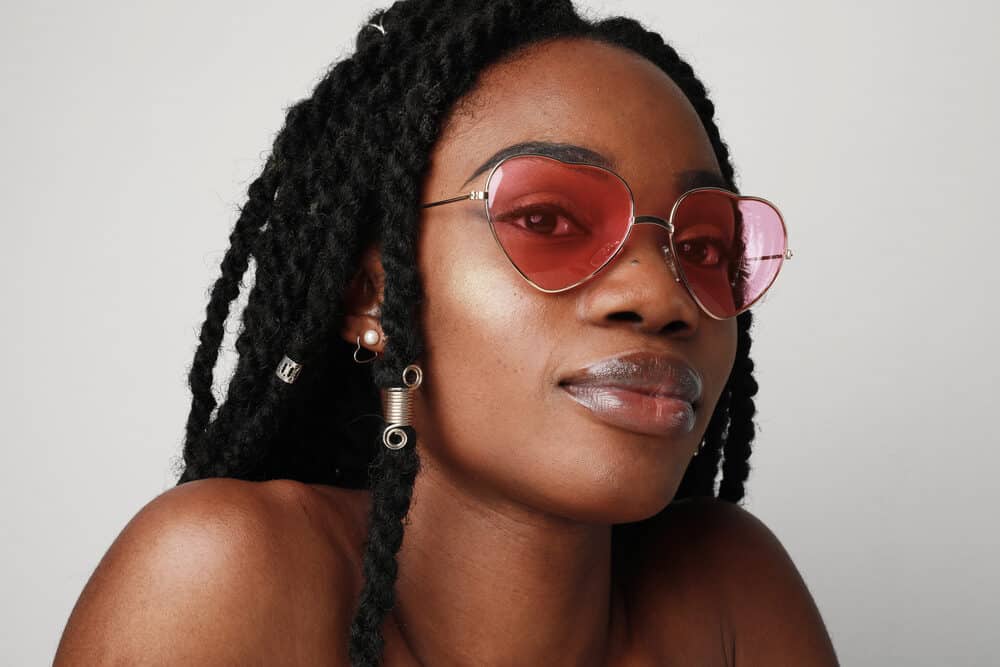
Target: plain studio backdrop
(130,132)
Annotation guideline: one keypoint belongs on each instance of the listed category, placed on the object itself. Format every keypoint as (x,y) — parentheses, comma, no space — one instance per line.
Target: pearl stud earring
(371,337)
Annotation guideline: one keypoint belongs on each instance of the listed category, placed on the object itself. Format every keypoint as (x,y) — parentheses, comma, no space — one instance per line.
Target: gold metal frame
(482,195)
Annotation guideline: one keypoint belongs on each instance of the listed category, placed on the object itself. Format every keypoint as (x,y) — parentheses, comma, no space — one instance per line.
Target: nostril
(632,316)
(625,316)
(675,326)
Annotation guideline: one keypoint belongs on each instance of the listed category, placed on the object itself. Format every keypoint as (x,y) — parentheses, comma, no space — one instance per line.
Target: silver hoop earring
(358,349)
(399,408)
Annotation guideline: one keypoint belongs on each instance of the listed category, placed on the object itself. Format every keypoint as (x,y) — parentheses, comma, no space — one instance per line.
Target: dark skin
(508,540)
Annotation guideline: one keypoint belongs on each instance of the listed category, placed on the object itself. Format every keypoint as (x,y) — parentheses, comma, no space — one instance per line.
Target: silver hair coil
(399,408)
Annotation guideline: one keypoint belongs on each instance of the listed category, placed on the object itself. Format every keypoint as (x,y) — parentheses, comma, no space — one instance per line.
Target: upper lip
(656,374)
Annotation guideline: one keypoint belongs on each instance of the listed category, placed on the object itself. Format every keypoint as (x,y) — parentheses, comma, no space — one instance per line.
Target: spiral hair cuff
(399,408)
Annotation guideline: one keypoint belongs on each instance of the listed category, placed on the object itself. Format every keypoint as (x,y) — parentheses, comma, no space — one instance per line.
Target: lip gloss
(635,411)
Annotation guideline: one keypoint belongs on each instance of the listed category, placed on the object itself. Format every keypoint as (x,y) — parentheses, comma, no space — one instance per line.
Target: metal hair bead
(399,408)
(288,370)
(377,26)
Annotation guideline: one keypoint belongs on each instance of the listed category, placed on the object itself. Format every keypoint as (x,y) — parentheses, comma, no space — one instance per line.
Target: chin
(617,496)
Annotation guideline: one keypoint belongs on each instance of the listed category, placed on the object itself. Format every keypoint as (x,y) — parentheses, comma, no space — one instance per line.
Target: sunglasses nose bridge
(654,220)
(669,227)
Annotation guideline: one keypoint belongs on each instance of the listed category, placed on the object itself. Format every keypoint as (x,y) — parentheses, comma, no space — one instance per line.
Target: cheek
(720,345)
(488,409)
(484,331)
(472,296)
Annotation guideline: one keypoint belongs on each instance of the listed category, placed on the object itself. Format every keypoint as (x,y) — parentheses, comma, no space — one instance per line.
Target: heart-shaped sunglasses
(559,223)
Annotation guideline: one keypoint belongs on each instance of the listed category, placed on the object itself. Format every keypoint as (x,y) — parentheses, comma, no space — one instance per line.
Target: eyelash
(524,212)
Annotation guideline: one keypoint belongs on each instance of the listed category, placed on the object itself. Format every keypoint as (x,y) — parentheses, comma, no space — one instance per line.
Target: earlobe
(363,330)
(364,327)
(371,334)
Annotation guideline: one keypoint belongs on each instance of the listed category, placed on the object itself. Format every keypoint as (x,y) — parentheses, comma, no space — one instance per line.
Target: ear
(363,301)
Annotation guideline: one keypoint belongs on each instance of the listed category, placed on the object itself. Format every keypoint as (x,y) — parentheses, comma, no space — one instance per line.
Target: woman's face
(491,415)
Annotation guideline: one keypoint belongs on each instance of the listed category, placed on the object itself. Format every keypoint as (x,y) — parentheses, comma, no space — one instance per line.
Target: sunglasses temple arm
(763,257)
(471,195)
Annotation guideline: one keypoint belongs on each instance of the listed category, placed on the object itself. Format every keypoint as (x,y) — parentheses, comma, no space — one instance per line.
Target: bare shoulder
(220,571)
(716,565)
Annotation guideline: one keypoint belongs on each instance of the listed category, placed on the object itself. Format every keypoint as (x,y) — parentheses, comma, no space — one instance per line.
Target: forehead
(581,92)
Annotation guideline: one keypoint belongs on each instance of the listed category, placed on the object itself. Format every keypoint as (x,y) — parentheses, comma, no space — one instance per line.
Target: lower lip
(634,411)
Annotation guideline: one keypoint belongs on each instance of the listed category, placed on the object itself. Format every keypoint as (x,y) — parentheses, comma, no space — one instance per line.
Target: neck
(485,581)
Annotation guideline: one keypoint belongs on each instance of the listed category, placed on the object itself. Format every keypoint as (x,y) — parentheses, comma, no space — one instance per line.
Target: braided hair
(345,172)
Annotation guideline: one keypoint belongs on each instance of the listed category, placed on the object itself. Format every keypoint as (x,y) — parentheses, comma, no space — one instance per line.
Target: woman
(468,202)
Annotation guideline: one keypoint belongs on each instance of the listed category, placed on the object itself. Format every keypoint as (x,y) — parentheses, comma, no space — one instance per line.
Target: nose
(642,285)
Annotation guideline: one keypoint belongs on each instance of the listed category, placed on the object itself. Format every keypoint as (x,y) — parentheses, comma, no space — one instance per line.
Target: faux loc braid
(345,172)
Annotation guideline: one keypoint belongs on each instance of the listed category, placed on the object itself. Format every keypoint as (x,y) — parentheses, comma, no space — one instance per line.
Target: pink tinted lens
(558,223)
(730,248)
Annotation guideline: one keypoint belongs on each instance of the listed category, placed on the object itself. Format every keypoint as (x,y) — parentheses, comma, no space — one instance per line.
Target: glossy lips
(643,392)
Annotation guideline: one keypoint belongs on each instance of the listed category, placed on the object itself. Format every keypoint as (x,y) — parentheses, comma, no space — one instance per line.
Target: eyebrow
(559,151)
(686,180)
(701,178)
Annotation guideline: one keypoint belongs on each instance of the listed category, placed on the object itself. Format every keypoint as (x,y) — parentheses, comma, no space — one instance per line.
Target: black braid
(234,264)
(345,172)
(736,465)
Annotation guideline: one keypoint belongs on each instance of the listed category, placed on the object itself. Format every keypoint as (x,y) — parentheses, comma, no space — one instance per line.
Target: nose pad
(664,247)
(669,256)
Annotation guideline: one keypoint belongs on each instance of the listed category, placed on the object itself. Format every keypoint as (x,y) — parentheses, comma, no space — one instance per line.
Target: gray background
(130,132)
